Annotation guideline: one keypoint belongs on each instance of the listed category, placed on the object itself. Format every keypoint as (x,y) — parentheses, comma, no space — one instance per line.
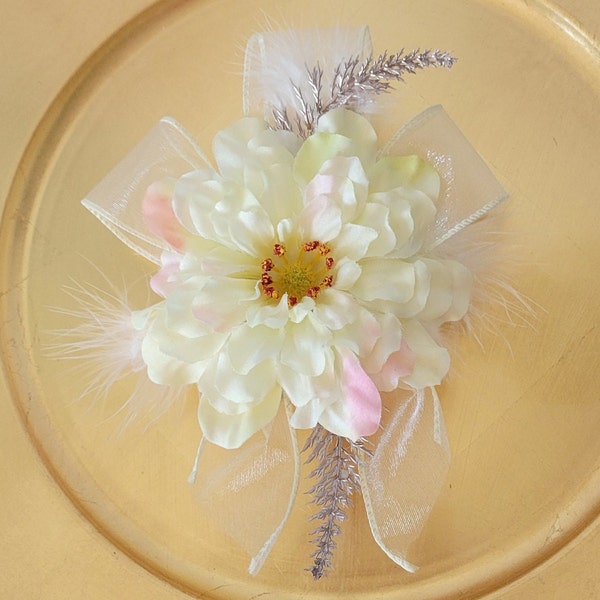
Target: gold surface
(81,83)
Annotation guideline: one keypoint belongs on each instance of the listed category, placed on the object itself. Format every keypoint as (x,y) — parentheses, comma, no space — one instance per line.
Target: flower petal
(358,411)
(431,360)
(343,180)
(249,346)
(306,347)
(376,216)
(221,303)
(355,127)
(386,279)
(411,216)
(158,215)
(270,314)
(231,431)
(165,368)
(335,308)
(354,240)
(301,388)
(316,150)
(165,281)
(399,365)
(450,291)
(404,171)
(320,219)
(243,388)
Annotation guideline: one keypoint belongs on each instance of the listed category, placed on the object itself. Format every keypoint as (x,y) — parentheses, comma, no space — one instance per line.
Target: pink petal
(157,211)
(162,283)
(399,364)
(361,396)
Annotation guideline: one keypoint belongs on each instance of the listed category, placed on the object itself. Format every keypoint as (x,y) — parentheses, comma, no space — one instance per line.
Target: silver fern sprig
(337,478)
(353,82)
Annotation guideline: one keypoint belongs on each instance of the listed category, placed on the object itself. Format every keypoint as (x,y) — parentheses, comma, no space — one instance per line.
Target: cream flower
(298,271)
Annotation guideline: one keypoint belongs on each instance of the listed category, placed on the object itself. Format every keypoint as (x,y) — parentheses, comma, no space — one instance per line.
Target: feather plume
(107,349)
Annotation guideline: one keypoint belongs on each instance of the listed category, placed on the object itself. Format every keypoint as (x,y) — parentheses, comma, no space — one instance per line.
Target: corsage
(305,279)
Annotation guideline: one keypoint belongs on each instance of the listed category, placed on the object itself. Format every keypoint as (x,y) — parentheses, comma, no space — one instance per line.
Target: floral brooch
(305,281)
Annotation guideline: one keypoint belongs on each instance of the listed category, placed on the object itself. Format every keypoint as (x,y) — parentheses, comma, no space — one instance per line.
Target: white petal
(307,416)
(431,360)
(376,215)
(320,219)
(413,307)
(360,335)
(404,171)
(190,349)
(411,216)
(354,241)
(355,127)
(335,308)
(222,302)
(166,369)
(251,230)
(230,146)
(385,279)
(281,196)
(302,389)
(450,291)
(270,314)
(306,347)
(247,387)
(318,149)
(347,273)
(195,195)
(231,431)
(249,346)
(300,311)
(388,342)
(344,181)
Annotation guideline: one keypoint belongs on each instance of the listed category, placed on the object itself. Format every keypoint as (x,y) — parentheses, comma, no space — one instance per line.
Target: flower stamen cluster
(301,274)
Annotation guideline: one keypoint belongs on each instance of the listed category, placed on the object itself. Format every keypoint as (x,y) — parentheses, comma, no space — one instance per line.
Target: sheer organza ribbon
(250,491)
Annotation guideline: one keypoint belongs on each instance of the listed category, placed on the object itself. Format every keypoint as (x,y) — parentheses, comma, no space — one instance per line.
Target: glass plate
(521,414)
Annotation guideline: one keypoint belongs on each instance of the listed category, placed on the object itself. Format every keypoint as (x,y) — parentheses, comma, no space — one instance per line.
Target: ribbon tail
(247,476)
(167,151)
(401,481)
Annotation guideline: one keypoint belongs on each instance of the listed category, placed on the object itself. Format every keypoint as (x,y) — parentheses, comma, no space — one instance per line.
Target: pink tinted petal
(163,282)
(399,364)
(361,396)
(157,211)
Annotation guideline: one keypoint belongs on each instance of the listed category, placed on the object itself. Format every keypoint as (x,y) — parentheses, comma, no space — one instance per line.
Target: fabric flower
(299,271)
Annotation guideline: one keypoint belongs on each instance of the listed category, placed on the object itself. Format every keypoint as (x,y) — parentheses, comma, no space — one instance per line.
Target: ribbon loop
(402,480)
(168,150)
(469,189)
(255,484)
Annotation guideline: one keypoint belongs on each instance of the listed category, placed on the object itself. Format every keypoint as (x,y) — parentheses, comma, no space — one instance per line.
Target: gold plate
(518,517)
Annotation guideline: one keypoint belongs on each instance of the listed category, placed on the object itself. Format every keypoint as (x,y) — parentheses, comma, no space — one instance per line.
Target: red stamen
(267,264)
(310,246)
(278,249)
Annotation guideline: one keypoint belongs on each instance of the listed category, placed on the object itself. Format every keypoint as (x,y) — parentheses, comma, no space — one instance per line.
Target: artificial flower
(298,271)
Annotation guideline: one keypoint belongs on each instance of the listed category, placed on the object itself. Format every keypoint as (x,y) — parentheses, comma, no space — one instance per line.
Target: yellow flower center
(301,273)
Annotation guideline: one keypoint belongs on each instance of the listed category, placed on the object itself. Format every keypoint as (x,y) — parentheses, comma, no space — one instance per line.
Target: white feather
(277,60)
(107,349)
